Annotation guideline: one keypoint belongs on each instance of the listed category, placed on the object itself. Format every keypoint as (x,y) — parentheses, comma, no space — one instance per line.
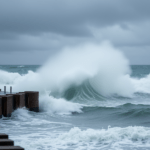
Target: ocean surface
(76,113)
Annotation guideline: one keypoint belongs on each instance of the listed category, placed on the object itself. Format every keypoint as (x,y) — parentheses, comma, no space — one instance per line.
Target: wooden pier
(7,144)
(11,101)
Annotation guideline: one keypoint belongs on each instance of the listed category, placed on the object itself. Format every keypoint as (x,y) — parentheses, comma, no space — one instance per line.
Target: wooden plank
(7,105)
(11,148)
(3,136)
(6,142)
(0,107)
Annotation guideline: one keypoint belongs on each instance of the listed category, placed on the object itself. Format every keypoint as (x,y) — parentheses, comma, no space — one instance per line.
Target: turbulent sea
(108,109)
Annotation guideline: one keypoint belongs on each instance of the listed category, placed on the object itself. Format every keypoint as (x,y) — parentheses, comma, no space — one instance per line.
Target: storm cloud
(40,28)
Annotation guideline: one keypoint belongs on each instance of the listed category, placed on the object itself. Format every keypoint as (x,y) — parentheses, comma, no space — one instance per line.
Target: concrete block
(11,148)
(6,142)
(0,107)
(7,105)
(32,100)
(3,136)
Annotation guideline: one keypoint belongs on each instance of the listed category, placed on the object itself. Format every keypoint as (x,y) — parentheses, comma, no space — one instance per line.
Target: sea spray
(105,67)
(58,106)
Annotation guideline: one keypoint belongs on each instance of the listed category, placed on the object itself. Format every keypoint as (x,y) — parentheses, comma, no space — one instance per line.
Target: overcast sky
(33,30)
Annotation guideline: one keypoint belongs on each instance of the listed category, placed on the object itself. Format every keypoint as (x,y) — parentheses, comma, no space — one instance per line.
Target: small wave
(141,134)
(132,137)
(123,115)
(105,138)
(21,114)
(20,66)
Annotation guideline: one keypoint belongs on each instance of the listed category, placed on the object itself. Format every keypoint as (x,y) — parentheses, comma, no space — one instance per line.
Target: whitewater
(91,98)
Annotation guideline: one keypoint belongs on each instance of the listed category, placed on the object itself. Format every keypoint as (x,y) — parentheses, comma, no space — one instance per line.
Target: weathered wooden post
(0,107)
(32,100)
(6,142)
(18,100)
(4,89)
(10,89)
(3,136)
(7,105)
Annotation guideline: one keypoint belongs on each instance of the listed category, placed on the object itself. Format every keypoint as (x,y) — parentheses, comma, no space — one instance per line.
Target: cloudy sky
(33,30)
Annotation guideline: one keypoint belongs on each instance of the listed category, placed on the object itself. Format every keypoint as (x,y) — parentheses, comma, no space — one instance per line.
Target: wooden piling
(12,101)
(32,100)
(18,100)
(6,142)
(7,105)
(3,136)
(0,107)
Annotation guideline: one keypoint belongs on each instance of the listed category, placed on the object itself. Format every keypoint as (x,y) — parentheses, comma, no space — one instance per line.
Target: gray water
(80,117)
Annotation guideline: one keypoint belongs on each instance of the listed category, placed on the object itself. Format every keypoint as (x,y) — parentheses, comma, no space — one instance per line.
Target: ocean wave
(141,84)
(20,66)
(112,138)
(116,134)
(80,75)
(58,106)
(125,109)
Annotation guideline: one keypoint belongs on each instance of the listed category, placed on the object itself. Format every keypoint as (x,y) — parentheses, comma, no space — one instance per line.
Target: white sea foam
(107,135)
(8,78)
(112,138)
(21,114)
(141,85)
(59,106)
(20,66)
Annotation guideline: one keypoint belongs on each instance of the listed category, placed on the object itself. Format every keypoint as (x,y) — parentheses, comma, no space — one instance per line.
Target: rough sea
(103,104)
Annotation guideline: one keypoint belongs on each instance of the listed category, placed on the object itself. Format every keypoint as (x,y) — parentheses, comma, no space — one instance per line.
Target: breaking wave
(78,74)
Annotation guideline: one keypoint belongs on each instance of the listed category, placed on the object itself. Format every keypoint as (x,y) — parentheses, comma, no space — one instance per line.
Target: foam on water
(141,85)
(59,106)
(112,138)
(21,114)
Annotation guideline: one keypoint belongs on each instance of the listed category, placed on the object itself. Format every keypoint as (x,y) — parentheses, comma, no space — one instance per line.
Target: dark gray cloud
(50,25)
(68,17)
